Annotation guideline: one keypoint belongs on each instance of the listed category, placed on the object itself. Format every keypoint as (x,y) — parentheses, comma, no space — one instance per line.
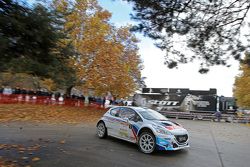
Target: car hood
(174,128)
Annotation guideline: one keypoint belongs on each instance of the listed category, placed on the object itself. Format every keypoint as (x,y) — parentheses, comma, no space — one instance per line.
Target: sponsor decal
(201,103)
(123,132)
(167,97)
(178,91)
(164,90)
(162,144)
(116,120)
(163,102)
(134,131)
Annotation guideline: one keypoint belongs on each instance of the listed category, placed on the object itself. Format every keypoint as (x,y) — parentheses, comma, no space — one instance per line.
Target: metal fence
(207,116)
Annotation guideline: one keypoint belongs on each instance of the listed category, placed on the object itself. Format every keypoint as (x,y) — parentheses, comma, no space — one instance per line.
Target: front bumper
(170,143)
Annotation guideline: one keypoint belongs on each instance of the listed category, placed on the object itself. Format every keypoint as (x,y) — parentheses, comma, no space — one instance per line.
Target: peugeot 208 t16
(145,127)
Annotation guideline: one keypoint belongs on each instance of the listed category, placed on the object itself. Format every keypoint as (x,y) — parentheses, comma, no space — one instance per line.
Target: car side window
(130,114)
(127,113)
(115,112)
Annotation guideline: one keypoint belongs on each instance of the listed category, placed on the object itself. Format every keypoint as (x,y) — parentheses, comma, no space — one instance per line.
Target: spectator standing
(17,91)
(103,101)
(7,91)
(61,99)
(38,92)
(23,91)
(218,115)
(53,98)
(1,90)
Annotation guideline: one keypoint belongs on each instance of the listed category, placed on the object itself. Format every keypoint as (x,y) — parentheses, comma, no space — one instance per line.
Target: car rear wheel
(101,130)
(147,142)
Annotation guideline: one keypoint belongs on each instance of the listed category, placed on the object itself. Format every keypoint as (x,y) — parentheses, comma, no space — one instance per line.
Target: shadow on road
(128,145)
(171,153)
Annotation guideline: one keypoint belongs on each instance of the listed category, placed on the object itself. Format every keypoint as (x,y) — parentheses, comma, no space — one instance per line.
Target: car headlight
(161,130)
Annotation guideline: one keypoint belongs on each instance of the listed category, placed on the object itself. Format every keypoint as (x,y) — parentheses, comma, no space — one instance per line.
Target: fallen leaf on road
(22,149)
(25,158)
(62,142)
(35,159)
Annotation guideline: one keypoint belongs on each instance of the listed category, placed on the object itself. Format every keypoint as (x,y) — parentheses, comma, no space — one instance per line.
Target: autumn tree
(76,16)
(116,67)
(209,29)
(242,84)
(130,57)
(106,58)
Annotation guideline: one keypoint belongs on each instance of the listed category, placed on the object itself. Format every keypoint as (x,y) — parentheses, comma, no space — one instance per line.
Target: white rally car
(145,127)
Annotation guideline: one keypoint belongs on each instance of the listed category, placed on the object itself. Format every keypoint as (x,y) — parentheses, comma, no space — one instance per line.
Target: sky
(158,75)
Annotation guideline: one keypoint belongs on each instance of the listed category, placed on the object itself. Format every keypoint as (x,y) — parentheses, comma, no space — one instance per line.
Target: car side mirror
(137,119)
(126,119)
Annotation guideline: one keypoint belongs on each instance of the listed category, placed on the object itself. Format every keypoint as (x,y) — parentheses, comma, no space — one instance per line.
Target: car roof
(132,107)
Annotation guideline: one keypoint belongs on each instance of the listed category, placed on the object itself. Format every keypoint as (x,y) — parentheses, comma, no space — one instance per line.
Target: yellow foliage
(48,83)
(242,85)
(107,58)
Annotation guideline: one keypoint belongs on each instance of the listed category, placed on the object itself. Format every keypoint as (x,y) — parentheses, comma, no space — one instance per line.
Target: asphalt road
(212,145)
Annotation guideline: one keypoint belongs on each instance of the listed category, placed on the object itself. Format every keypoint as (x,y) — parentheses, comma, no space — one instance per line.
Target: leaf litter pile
(18,155)
(48,114)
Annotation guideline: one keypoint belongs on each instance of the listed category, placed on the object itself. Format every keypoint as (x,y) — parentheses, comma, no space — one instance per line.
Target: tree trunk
(68,91)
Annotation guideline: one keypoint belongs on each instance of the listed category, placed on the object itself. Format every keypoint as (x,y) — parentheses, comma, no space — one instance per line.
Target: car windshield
(151,114)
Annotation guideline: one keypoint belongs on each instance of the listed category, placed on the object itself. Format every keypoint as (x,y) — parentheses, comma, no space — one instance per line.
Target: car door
(113,122)
(131,124)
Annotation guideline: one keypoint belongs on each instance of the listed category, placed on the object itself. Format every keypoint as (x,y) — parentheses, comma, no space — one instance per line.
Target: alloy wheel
(147,143)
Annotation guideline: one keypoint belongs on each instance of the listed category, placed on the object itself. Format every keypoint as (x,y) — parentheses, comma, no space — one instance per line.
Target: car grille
(181,138)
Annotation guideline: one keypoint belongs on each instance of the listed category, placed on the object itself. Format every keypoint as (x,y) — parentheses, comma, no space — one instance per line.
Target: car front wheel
(101,130)
(147,142)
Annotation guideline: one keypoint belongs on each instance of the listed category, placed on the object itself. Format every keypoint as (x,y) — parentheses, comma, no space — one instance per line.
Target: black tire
(101,130)
(147,142)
